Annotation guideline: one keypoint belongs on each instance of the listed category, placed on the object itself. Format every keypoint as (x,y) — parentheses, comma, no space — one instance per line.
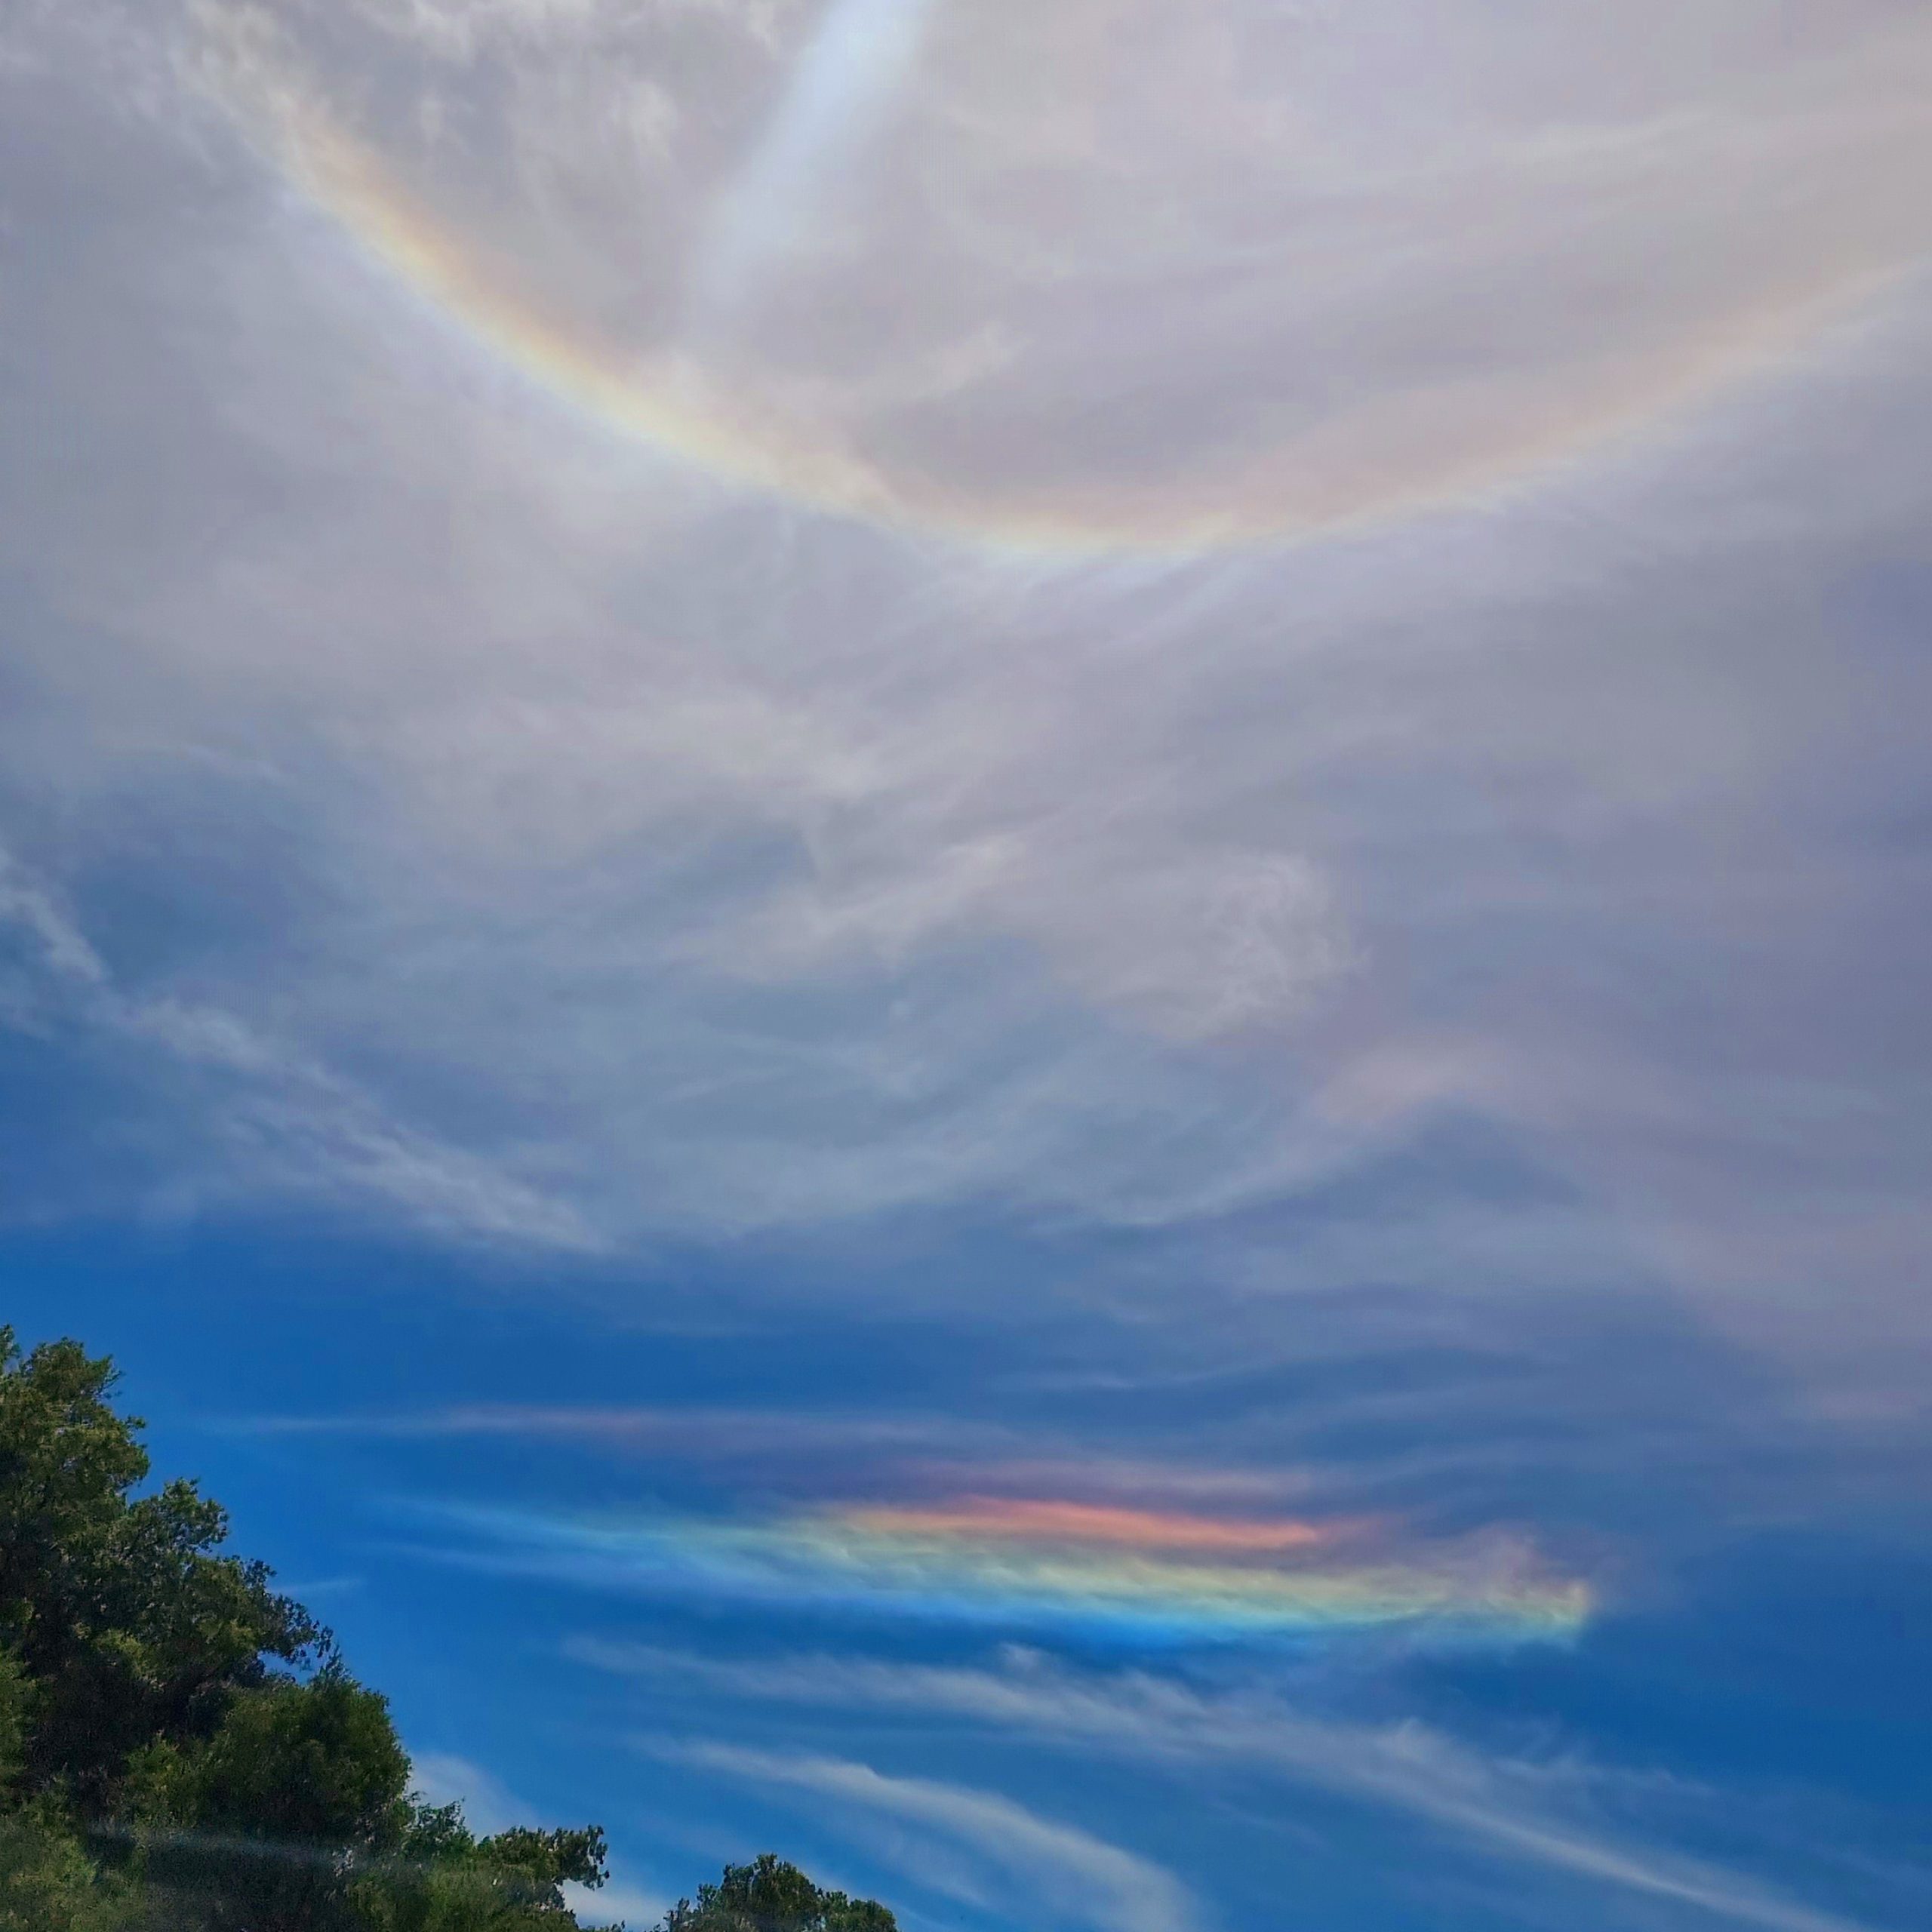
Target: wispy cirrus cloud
(285,1124)
(445,1777)
(1538,1814)
(938,1521)
(1406,380)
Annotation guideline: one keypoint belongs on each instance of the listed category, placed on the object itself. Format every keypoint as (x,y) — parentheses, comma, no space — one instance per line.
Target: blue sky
(989,939)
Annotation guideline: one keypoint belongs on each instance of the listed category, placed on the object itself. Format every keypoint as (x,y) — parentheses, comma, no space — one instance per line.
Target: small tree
(770,1896)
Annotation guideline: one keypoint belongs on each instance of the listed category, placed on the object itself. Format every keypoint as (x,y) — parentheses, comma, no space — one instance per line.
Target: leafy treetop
(770,1896)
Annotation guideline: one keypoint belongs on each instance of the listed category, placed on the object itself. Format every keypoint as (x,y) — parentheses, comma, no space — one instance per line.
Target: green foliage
(129,1624)
(181,1750)
(447,1881)
(316,1763)
(271,1817)
(16,1714)
(48,1883)
(770,1896)
(543,1861)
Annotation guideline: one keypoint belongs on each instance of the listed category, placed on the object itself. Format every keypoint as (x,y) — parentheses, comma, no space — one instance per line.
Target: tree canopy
(182,1746)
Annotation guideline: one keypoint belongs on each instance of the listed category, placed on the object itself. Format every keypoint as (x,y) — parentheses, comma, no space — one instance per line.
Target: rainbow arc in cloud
(667,398)
(1050,1566)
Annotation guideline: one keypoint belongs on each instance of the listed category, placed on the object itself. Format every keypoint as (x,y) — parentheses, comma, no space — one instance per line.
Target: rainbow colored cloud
(1056,1566)
(1389,454)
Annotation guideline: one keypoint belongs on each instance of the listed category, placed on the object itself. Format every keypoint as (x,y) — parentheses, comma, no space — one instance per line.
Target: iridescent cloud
(1067,1567)
(1395,420)
(1033,1520)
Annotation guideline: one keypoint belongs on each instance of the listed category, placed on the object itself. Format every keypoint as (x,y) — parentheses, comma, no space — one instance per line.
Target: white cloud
(632,1906)
(443,1777)
(489,1806)
(1397,259)
(32,909)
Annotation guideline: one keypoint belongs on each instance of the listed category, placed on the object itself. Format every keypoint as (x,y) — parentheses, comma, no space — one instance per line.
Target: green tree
(270,1819)
(447,1881)
(16,1713)
(48,1884)
(128,1623)
(770,1896)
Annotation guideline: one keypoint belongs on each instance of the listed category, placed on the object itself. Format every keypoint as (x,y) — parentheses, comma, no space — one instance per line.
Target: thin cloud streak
(861,52)
(816,1451)
(1026,1519)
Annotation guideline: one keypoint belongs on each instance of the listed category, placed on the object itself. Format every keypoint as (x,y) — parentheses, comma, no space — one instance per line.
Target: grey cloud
(1266,274)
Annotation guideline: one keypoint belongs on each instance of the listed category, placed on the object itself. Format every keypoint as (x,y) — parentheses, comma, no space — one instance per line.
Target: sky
(989,938)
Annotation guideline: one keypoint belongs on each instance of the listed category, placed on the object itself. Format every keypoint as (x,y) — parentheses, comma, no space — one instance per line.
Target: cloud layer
(631,859)
(1126,805)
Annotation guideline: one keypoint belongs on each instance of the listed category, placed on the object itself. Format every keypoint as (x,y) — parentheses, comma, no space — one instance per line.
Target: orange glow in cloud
(1042,1520)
